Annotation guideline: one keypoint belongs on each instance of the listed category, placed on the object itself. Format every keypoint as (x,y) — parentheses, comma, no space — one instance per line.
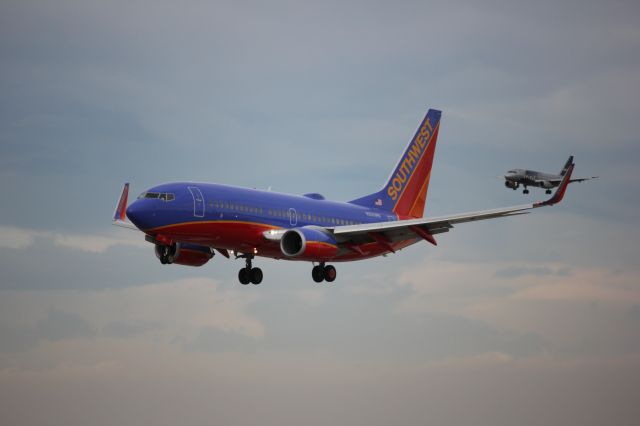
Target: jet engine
(511,184)
(546,184)
(183,254)
(308,243)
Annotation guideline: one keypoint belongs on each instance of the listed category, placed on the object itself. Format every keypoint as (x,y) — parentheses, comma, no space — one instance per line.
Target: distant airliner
(516,177)
(188,222)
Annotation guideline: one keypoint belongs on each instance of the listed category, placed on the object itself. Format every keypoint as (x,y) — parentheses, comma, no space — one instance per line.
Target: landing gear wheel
(330,273)
(526,191)
(548,191)
(317,273)
(249,274)
(256,276)
(244,276)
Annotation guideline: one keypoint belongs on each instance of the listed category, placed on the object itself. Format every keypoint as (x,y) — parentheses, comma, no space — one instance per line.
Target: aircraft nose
(136,213)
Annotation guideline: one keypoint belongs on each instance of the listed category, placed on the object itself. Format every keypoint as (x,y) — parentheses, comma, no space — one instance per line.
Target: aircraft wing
(387,233)
(583,179)
(574,180)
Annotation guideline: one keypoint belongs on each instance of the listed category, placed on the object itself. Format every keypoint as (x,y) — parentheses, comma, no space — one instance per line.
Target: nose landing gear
(248,274)
(324,272)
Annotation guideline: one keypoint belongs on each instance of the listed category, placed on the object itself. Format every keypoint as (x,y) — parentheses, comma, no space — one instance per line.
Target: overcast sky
(528,320)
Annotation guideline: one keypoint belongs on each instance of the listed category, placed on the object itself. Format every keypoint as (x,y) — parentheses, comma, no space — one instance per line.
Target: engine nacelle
(547,185)
(184,254)
(511,184)
(308,243)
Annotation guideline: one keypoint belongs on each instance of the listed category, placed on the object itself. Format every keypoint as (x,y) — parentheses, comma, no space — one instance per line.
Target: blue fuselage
(235,218)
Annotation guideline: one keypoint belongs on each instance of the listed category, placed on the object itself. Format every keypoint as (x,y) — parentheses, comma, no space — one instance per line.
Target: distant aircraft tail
(566,166)
(406,191)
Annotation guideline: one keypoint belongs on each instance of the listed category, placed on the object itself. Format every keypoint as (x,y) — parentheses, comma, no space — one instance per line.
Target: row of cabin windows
(281,213)
(236,207)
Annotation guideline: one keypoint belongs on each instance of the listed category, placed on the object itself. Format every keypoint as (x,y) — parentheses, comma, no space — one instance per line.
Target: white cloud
(22,238)
(17,238)
(454,286)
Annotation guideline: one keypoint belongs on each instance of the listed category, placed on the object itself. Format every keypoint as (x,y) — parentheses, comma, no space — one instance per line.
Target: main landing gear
(525,191)
(323,272)
(249,274)
(548,191)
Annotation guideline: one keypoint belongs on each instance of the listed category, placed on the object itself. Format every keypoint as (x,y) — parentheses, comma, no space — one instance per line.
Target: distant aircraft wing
(387,233)
(583,179)
(572,180)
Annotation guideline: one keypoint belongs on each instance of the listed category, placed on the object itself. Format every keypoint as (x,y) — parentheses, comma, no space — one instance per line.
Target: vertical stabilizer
(566,166)
(405,193)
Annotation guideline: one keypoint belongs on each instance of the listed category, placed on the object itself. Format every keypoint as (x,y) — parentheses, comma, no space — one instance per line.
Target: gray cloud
(96,94)
(540,271)
(60,325)
(129,329)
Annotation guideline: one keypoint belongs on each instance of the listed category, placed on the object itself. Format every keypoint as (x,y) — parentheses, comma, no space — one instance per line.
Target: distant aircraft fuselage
(516,177)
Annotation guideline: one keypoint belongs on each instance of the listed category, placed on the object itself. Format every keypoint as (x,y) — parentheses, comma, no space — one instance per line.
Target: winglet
(121,208)
(562,188)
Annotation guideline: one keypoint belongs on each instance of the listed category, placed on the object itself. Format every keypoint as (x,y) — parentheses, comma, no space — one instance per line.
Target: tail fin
(406,191)
(566,166)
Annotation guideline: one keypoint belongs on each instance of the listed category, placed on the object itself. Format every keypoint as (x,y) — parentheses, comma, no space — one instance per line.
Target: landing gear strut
(248,274)
(323,272)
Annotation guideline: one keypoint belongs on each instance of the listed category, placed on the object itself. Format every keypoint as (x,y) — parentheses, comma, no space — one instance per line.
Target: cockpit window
(164,196)
(511,171)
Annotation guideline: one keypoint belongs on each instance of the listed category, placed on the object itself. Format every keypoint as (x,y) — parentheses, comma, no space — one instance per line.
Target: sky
(528,320)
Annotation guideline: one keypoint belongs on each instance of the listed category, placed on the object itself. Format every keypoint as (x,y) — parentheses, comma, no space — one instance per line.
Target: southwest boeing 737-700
(189,222)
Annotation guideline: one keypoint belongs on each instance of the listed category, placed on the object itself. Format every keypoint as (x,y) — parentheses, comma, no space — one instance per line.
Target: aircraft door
(293,217)
(198,201)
